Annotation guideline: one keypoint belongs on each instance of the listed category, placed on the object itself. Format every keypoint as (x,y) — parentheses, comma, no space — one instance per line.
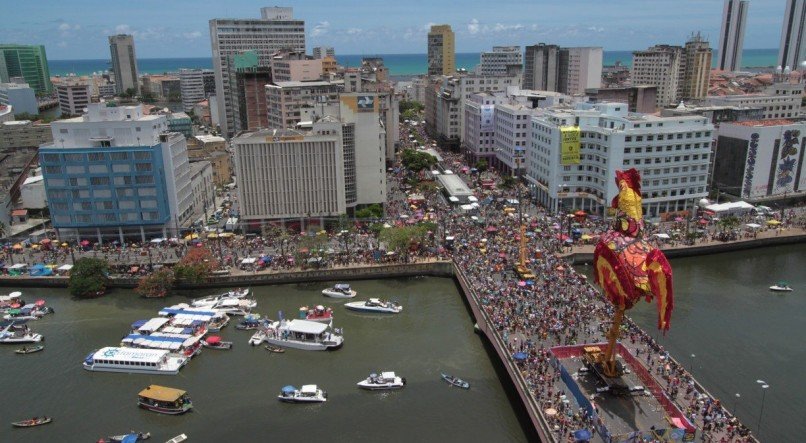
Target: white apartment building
(731,36)
(583,70)
(660,66)
(20,96)
(566,70)
(479,137)
(276,30)
(191,86)
(202,190)
(792,50)
(671,153)
(779,100)
(512,135)
(124,62)
(73,97)
(761,160)
(284,100)
(497,61)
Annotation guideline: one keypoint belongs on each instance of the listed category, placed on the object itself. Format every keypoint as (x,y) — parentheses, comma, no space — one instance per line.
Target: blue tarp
(171,311)
(130,438)
(156,339)
(520,356)
(39,270)
(582,435)
(138,323)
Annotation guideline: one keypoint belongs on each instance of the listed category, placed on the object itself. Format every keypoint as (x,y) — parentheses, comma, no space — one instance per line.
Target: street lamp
(736,403)
(691,364)
(764,387)
(557,200)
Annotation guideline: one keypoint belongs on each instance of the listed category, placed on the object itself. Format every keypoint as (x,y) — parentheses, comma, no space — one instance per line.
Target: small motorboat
(215,342)
(386,381)
(455,381)
(251,321)
(306,394)
(375,305)
(31,422)
(275,349)
(131,437)
(340,290)
(218,322)
(318,314)
(234,306)
(781,286)
(31,350)
(212,299)
(178,439)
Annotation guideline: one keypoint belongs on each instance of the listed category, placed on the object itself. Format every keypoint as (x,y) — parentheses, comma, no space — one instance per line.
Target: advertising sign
(569,145)
(487,112)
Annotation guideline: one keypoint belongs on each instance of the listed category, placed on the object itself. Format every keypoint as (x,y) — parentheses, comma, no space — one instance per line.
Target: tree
(401,238)
(157,284)
(410,110)
(416,160)
(507,182)
(26,116)
(482,165)
(196,265)
(345,234)
(88,277)
(373,211)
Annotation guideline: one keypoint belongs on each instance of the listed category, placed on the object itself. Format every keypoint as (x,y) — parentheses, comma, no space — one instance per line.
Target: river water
(740,332)
(234,392)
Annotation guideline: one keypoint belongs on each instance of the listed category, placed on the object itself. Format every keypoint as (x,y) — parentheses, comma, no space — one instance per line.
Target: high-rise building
(285,99)
(792,51)
(29,62)
(441,50)
(195,85)
(287,66)
(565,70)
(276,30)
(731,36)
(495,62)
(124,62)
(323,51)
(696,68)
(671,153)
(74,96)
(20,97)
(114,172)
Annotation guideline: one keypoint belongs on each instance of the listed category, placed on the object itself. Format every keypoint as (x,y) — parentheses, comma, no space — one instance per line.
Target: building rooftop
(204,138)
(296,84)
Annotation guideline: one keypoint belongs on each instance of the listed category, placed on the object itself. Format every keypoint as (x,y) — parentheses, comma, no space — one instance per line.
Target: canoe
(455,381)
(30,350)
(36,421)
(276,349)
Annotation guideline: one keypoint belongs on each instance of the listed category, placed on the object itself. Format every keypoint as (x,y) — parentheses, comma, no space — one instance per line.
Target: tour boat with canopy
(215,342)
(16,331)
(299,334)
(306,394)
(164,400)
(134,360)
(385,381)
(340,290)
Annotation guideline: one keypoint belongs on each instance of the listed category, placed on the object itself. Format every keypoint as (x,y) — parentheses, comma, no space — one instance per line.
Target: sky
(77,29)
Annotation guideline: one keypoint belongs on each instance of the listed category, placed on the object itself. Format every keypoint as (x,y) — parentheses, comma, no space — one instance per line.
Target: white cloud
(192,35)
(427,26)
(500,27)
(64,27)
(320,29)
(354,31)
(62,44)
(123,29)
(595,29)
(473,26)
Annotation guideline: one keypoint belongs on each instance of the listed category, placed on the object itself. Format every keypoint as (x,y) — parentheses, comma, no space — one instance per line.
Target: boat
(340,290)
(31,422)
(17,332)
(214,342)
(131,437)
(134,360)
(188,345)
(212,299)
(275,349)
(218,322)
(781,286)
(455,381)
(306,394)
(251,321)
(234,306)
(31,350)
(164,400)
(318,314)
(178,439)
(299,334)
(385,381)
(375,305)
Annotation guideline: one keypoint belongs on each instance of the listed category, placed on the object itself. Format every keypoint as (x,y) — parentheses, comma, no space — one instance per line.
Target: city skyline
(81,32)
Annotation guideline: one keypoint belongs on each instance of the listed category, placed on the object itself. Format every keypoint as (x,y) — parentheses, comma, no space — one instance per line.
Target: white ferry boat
(299,334)
(18,333)
(136,361)
(375,305)
(307,394)
(340,290)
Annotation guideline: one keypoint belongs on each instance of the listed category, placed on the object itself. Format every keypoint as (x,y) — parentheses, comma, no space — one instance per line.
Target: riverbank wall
(586,256)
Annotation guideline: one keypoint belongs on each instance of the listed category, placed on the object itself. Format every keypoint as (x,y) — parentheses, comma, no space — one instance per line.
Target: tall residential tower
(731,37)
(441,50)
(124,62)
(28,62)
(793,35)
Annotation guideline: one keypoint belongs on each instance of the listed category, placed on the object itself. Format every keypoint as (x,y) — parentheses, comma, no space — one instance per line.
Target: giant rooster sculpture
(628,268)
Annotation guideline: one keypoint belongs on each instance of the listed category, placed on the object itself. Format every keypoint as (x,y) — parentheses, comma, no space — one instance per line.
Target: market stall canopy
(773,222)
(753,225)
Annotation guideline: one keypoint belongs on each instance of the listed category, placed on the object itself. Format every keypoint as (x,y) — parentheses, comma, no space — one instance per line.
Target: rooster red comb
(632,177)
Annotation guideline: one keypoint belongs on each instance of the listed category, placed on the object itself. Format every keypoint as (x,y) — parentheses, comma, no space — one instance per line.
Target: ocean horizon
(398,64)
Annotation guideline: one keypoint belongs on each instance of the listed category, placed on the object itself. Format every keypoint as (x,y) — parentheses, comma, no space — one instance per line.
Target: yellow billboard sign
(569,145)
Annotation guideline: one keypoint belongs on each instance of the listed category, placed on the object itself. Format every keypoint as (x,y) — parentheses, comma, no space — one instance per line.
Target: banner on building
(487,112)
(569,145)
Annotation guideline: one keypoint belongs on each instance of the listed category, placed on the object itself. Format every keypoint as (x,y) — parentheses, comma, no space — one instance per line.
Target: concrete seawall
(578,258)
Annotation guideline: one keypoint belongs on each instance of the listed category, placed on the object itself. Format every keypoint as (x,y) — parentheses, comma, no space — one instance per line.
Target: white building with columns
(671,153)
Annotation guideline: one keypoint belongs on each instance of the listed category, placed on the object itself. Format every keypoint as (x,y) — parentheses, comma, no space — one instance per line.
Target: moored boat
(131,437)
(133,360)
(318,314)
(275,349)
(31,350)
(18,332)
(299,334)
(212,299)
(178,439)
(340,290)
(164,400)
(455,381)
(31,422)
(306,394)
(234,306)
(250,322)
(375,305)
(385,381)
(215,342)
(218,322)
(781,286)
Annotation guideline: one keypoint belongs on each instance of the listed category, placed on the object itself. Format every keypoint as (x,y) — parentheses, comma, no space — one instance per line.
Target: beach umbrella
(64,245)
(520,356)
(40,302)
(678,219)
(550,412)
(45,241)
(521,283)
(85,243)
(213,340)
(580,213)
(582,435)
(17,246)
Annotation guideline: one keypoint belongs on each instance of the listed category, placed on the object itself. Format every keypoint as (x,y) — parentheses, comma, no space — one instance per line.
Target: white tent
(753,225)
(732,208)
(662,236)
